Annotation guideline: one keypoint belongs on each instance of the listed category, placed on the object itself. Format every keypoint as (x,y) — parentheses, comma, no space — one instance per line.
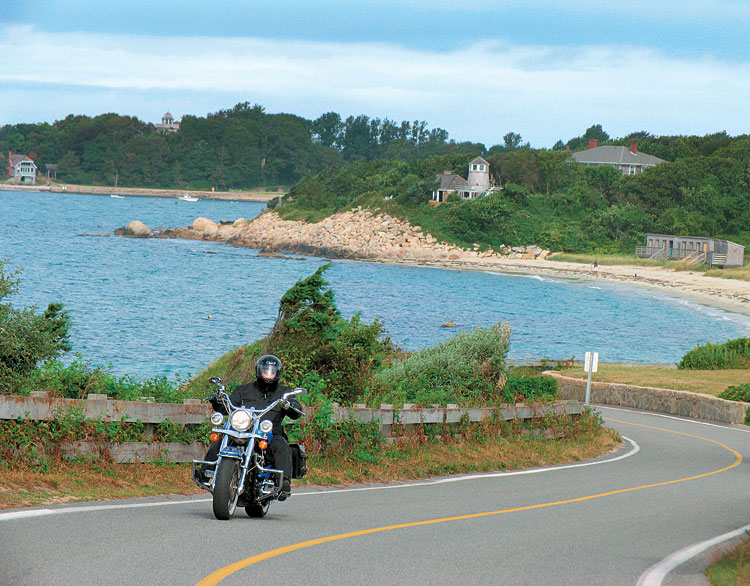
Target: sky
(545,69)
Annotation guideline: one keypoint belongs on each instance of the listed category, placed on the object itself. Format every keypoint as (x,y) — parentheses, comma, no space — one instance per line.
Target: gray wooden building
(692,249)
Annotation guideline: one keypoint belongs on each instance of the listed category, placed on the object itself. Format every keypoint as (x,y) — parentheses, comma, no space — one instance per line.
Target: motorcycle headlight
(217,418)
(241,420)
(266,426)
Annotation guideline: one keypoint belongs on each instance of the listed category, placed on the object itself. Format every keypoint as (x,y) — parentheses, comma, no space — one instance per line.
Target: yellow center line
(220,574)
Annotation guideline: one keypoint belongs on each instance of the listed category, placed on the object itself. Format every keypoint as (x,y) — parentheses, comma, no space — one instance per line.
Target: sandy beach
(729,294)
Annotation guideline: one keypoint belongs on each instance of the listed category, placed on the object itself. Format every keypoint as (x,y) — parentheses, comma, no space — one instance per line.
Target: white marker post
(590,365)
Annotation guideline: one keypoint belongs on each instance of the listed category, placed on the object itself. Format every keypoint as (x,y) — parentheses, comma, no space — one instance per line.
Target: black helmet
(268,371)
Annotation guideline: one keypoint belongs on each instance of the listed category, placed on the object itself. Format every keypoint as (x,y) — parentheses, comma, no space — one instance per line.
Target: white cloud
(477,93)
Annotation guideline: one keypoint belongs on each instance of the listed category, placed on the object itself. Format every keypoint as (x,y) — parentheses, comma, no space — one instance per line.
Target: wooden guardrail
(41,407)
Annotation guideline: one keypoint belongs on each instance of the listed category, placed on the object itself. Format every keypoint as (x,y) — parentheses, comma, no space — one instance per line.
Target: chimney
(634,148)
(567,147)
(593,143)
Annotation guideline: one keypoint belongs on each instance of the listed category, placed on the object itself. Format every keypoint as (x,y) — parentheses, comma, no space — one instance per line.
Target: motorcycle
(241,474)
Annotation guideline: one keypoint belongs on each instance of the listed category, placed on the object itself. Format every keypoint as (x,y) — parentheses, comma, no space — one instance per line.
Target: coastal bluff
(358,234)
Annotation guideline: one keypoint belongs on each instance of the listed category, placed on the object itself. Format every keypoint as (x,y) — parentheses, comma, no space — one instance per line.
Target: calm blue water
(143,306)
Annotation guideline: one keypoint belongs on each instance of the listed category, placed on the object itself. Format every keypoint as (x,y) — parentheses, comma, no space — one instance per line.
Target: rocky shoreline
(357,235)
(363,235)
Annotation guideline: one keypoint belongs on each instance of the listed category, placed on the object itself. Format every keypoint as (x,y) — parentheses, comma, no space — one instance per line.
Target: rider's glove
(215,403)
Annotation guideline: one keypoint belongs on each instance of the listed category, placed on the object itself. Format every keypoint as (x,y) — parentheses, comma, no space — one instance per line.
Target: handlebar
(222,396)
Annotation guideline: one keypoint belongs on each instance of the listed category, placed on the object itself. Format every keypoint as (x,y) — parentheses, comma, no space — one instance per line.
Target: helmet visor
(268,370)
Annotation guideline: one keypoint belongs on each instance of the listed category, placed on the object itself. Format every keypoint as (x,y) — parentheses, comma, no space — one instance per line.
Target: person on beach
(596,267)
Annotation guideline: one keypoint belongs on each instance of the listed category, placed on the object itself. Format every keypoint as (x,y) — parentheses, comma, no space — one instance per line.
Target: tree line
(237,148)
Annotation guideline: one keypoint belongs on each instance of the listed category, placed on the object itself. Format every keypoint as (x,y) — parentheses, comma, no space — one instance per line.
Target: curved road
(675,483)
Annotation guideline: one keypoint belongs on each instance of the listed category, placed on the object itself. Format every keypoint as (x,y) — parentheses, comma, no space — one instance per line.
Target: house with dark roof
(477,183)
(21,168)
(629,161)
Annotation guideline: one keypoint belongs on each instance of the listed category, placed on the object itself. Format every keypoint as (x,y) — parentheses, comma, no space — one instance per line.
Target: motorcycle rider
(259,394)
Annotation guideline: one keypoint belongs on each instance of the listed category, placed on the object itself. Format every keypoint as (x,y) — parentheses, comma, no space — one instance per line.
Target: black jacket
(252,395)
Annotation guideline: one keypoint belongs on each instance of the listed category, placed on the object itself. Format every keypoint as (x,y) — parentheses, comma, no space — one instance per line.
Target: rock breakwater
(357,234)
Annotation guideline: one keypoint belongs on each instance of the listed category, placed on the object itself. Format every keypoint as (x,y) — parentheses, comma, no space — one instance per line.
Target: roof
(479,161)
(15,159)
(449,181)
(615,155)
(168,115)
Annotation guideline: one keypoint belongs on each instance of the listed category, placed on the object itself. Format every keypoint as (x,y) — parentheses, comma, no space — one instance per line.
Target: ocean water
(166,307)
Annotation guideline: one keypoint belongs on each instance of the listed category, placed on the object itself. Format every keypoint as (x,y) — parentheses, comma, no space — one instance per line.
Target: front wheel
(257,511)
(226,488)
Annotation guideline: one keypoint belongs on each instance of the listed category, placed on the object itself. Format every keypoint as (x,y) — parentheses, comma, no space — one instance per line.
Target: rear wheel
(226,489)
(258,511)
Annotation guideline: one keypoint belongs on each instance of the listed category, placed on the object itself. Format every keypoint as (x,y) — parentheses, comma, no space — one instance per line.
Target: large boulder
(136,229)
(204,225)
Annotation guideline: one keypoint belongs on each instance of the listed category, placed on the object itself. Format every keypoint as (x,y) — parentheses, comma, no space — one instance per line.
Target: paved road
(675,483)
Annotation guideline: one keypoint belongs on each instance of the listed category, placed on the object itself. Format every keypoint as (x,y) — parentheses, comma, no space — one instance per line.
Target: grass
(77,481)
(411,458)
(732,569)
(710,382)
(740,273)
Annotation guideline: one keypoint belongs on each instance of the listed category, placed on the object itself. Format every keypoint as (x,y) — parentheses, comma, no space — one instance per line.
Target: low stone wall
(682,403)
(142,191)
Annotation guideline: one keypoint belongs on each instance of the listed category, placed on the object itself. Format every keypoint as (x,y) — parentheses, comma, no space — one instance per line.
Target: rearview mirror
(215,380)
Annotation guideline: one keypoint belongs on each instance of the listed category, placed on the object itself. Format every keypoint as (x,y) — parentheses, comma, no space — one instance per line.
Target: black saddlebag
(299,460)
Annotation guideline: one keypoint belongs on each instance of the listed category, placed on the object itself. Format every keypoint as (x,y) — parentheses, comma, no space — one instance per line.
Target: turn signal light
(262,444)
(214,437)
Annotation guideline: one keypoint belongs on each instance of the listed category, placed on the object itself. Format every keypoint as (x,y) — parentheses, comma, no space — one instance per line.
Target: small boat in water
(116,195)
(187,197)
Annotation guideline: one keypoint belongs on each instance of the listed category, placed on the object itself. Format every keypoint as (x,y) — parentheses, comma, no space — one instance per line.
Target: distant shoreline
(144,192)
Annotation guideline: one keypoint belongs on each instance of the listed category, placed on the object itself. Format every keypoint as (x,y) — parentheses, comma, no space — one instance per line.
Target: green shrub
(80,378)
(461,369)
(28,338)
(529,388)
(730,354)
(740,393)
(350,439)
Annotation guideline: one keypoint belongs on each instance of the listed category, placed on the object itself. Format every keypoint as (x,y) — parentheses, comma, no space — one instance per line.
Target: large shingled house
(629,161)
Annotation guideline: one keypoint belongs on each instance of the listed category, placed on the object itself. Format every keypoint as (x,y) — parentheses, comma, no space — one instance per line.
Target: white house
(475,185)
